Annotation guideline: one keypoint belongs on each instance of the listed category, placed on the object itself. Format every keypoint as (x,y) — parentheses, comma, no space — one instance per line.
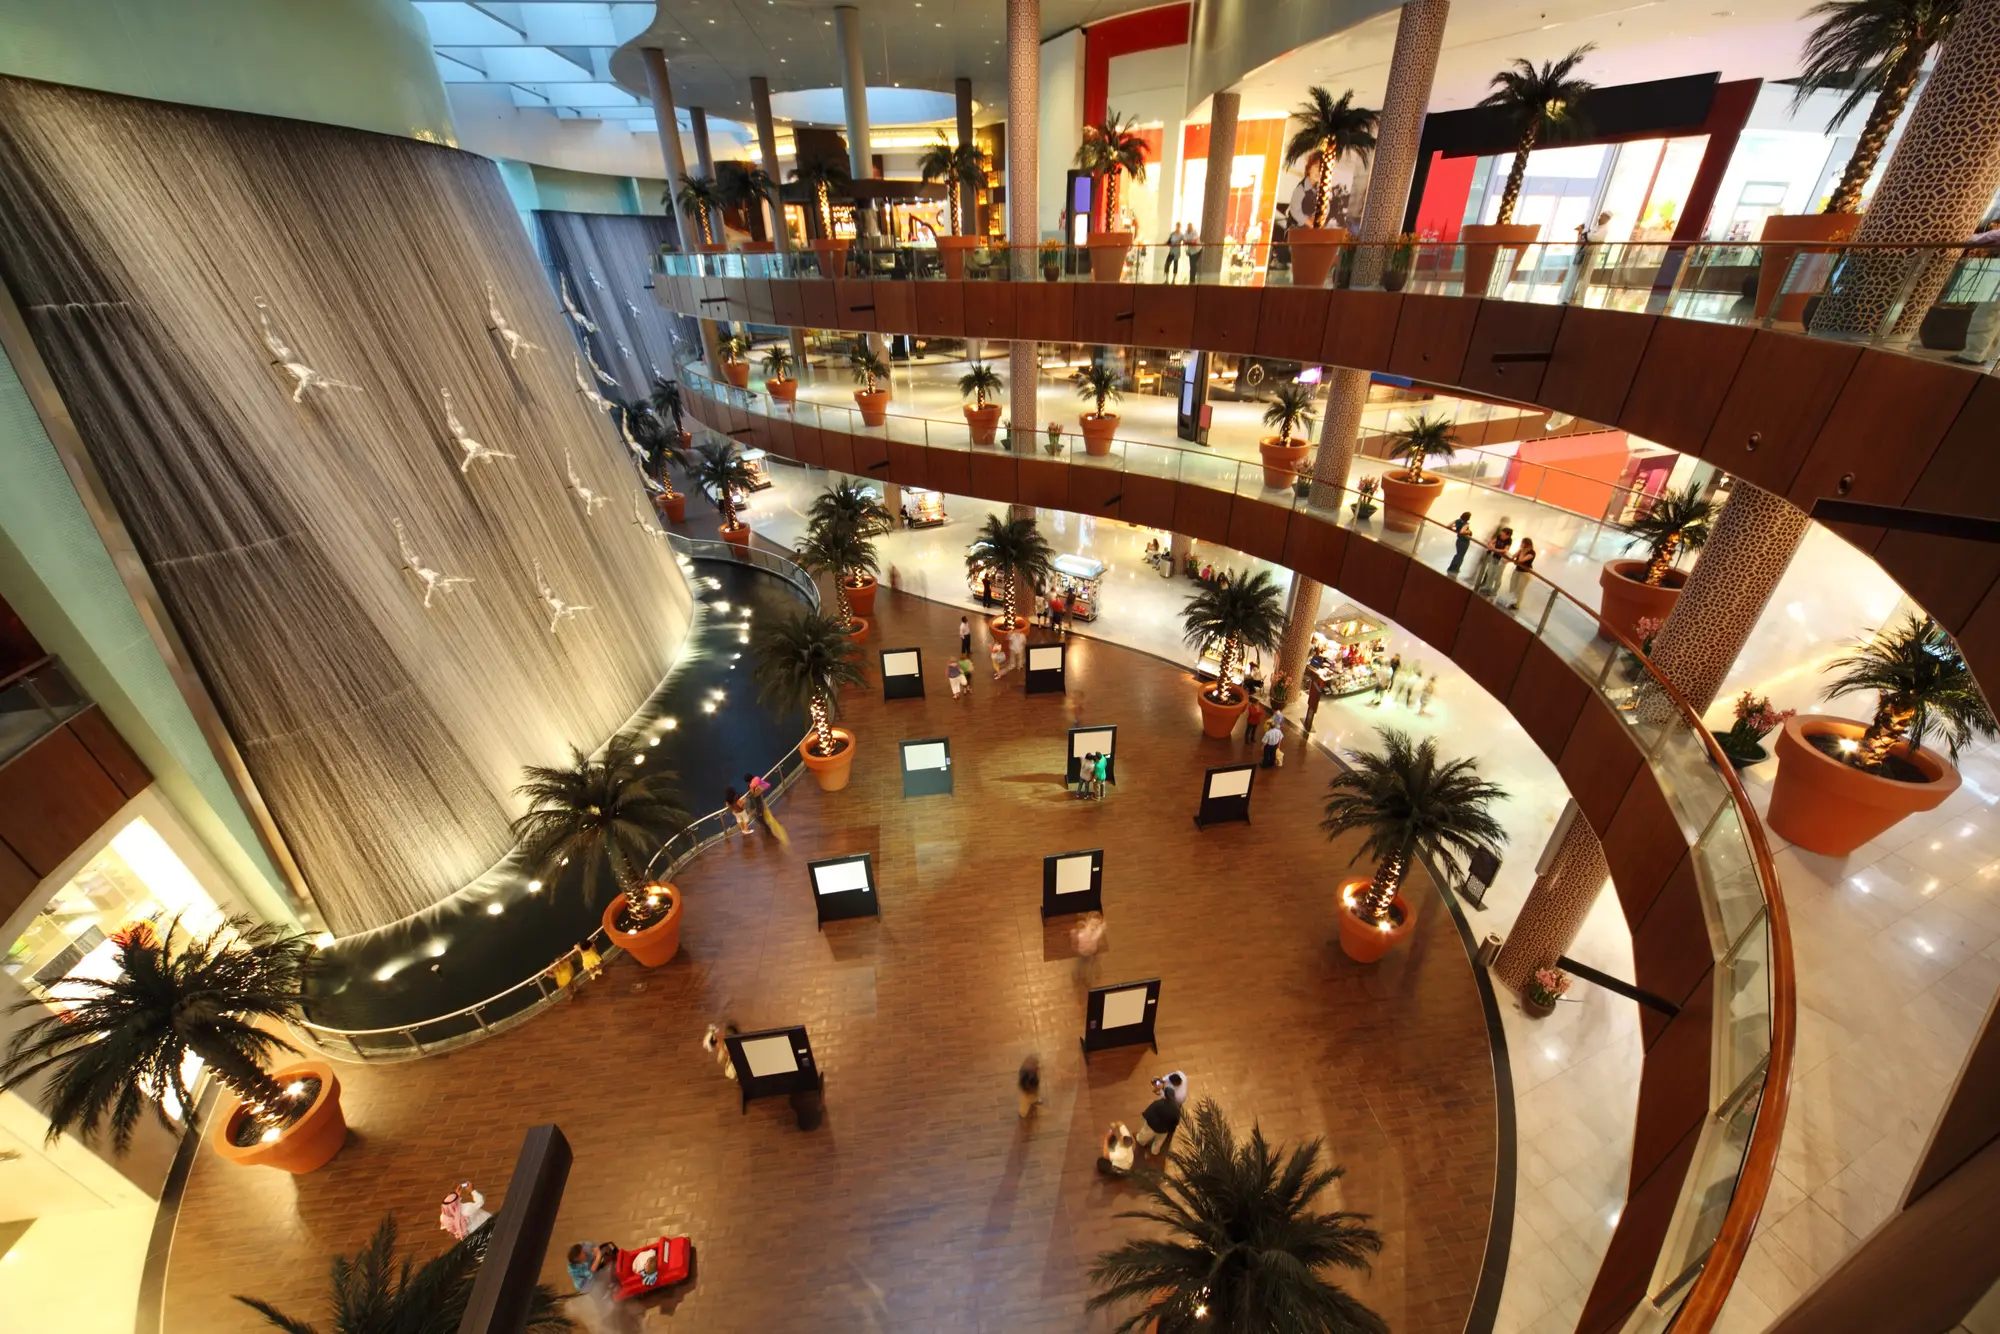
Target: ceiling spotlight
(495,909)
(654,742)
(534,886)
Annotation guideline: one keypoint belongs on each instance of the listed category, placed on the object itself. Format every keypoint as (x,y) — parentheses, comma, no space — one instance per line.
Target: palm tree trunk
(728,509)
(249,1081)
(1007,597)
(957,217)
(820,194)
(1893,718)
(1663,559)
(1518,172)
(840,600)
(822,726)
(1225,692)
(1889,103)
(1323,195)
(707,232)
(1374,902)
(1111,200)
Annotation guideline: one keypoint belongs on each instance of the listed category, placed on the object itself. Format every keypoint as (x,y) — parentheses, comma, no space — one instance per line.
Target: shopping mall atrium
(1256,666)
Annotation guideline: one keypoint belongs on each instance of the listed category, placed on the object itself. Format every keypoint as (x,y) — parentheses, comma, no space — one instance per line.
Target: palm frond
(1917,671)
(1247,608)
(1422,439)
(1322,120)
(614,809)
(802,658)
(1857,43)
(1098,384)
(1015,546)
(1406,800)
(1682,516)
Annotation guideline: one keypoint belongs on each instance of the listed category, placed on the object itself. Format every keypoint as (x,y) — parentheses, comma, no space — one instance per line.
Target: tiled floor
(922,1203)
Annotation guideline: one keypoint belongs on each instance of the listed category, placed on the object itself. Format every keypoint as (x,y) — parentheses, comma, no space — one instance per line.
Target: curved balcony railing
(1716,282)
(529,996)
(1725,1185)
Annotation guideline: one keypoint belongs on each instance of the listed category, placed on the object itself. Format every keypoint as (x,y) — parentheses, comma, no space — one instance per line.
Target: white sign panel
(930,755)
(1234,783)
(842,878)
(770,1056)
(1086,743)
(1122,1009)
(1073,875)
(900,664)
(1045,658)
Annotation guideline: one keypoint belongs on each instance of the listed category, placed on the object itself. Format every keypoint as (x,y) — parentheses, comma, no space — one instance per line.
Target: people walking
(1274,737)
(1160,1119)
(738,808)
(965,672)
(1314,689)
(1395,666)
(760,807)
(998,653)
(951,674)
(964,636)
(1517,584)
(1119,1149)
(1056,609)
(1424,701)
(1028,1087)
(1175,239)
(1253,722)
(1461,528)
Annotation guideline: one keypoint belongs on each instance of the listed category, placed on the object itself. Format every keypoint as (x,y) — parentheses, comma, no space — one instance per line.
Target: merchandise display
(1077,580)
(1344,648)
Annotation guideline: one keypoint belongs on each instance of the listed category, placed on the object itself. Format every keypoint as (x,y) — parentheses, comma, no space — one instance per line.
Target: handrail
(46,660)
(780,775)
(1692,1308)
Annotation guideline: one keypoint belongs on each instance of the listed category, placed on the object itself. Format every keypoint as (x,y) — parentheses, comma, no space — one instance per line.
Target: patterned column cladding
(1732,582)
(1180,546)
(1221,159)
(1346,395)
(1024,100)
(1297,643)
(1556,908)
(1934,189)
(1419,36)
(1022,368)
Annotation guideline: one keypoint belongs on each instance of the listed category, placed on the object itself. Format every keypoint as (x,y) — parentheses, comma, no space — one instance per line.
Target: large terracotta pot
(656,944)
(1831,808)
(782,391)
(737,373)
(1776,260)
(874,407)
(1107,255)
(1098,429)
(832,257)
(1624,596)
(737,534)
(952,251)
(984,422)
(858,630)
(1314,249)
(304,1146)
(711,249)
(674,507)
(1366,942)
(1219,720)
(1405,503)
(831,771)
(861,596)
(759,248)
(1483,242)
(1281,462)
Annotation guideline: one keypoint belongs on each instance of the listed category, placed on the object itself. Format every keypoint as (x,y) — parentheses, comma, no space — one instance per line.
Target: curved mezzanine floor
(922,1202)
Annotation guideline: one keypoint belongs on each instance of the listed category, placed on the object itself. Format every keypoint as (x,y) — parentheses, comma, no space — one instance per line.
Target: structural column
(1419,34)
(1180,546)
(767,154)
(1934,189)
(854,100)
(1024,93)
(1557,906)
(1296,646)
(670,142)
(1223,111)
(969,202)
(1745,557)
(704,162)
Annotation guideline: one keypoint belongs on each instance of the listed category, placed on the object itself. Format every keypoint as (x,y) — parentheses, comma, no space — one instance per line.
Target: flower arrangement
(1052,260)
(1755,719)
(1648,628)
(1546,987)
(1055,445)
(1280,687)
(1364,492)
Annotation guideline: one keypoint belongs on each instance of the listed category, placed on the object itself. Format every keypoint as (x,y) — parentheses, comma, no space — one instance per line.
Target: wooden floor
(922,1203)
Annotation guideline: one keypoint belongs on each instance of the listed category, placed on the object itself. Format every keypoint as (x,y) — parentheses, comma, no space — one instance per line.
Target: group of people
(1184,238)
(1050,610)
(1498,556)
(752,808)
(1265,729)
(1394,685)
(1092,772)
(1157,1125)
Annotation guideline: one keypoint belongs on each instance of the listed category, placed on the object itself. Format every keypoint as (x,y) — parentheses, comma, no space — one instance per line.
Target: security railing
(34,702)
(531,995)
(1754,988)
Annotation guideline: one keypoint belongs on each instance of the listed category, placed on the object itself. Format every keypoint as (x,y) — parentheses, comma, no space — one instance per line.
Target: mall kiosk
(1343,650)
(1079,580)
(926,507)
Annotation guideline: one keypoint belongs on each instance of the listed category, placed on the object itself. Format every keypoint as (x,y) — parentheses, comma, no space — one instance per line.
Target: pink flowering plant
(1548,986)
(1755,719)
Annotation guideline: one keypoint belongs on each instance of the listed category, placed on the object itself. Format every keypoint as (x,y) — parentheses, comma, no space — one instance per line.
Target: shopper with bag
(1274,737)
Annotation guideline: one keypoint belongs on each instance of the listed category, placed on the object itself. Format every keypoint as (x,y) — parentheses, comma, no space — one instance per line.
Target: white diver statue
(591,500)
(583,321)
(432,581)
(586,388)
(625,433)
(303,376)
(604,377)
(516,343)
(559,610)
(595,281)
(646,522)
(473,450)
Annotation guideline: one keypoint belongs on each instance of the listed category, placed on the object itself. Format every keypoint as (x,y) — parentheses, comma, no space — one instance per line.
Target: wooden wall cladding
(1316,550)
(941,309)
(1674,1096)
(1045,312)
(871,457)
(809,444)
(1599,763)
(1360,329)
(1888,397)
(17,882)
(1162,316)
(1431,606)
(1596,354)
(1547,698)
(1225,318)
(1259,528)
(839,447)
(950,471)
(1681,381)
(895,307)
(909,465)
(992,476)
(1505,327)
(1201,513)
(121,765)
(1641,844)
(787,305)
(1373,574)
(1148,501)
(1100,492)
(817,304)
(1490,646)
(1291,323)
(1103,313)
(1776,405)
(1671,950)
(1042,482)
(854,304)
(1431,337)
(989,310)
(56,794)
(1628,1262)
(1949,576)
(758,302)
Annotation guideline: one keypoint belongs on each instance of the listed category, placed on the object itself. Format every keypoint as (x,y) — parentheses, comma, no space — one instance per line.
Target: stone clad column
(1346,396)
(1024,92)
(1296,646)
(1224,108)
(704,162)
(670,142)
(854,101)
(1556,907)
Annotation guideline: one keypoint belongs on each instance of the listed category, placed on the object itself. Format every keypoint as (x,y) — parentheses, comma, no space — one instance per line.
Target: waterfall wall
(605,260)
(142,242)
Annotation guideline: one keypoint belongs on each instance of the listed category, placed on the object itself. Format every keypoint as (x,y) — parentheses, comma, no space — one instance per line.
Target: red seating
(676,1255)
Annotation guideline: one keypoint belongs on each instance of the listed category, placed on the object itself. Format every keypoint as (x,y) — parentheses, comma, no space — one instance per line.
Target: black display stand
(843,887)
(927,767)
(1046,668)
(773,1063)
(902,673)
(1073,882)
(1225,795)
(1084,740)
(1121,1015)
(1480,871)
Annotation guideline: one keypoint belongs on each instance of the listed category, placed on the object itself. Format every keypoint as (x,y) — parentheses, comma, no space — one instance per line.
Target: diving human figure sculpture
(586,388)
(516,343)
(646,522)
(432,581)
(559,610)
(472,449)
(604,377)
(303,376)
(582,320)
(591,500)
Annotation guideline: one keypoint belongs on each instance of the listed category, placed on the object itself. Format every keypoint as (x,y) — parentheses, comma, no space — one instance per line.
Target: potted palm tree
(667,403)
(1109,149)
(980,382)
(1098,384)
(778,381)
(1538,102)
(1842,782)
(377,1293)
(853,508)
(1328,131)
(1631,590)
(1244,612)
(962,169)
(696,197)
(1291,411)
(673,450)
(1014,552)
(837,550)
(735,350)
(612,811)
(117,1047)
(802,662)
(746,187)
(823,174)
(1407,496)
(1248,1243)
(722,474)
(1410,805)
(1867,48)
(872,374)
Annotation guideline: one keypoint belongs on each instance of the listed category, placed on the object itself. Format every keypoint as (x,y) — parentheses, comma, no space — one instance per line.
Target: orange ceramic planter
(304,1146)
(1483,242)
(874,407)
(1831,808)
(1098,431)
(952,251)
(861,597)
(758,248)
(656,944)
(1775,261)
(832,256)
(1281,462)
(1405,503)
(858,631)
(1219,720)
(1314,250)
(983,422)
(1107,255)
(737,373)
(1624,598)
(737,534)
(674,507)
(782,391)
(830,771)
(1367,942)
